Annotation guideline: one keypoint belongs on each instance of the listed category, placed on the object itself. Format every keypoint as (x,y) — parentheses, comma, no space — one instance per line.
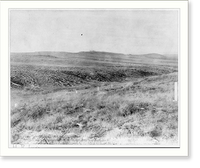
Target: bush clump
(133,108)
(130,109)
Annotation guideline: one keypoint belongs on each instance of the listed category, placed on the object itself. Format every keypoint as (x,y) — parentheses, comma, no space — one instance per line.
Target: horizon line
(96,51)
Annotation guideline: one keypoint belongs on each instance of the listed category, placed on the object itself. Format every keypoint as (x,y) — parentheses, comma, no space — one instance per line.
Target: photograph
(94,77)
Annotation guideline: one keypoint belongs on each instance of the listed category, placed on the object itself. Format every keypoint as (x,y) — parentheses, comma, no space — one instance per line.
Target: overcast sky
(124,31)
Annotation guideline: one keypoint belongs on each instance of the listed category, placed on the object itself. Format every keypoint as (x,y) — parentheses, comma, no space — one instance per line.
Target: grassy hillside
(93,98)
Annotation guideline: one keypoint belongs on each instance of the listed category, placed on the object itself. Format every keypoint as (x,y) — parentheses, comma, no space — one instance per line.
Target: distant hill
(154,55)
(92,58)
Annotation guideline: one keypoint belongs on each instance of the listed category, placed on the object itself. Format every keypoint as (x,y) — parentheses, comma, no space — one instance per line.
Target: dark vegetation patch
(36,79)
(133,108)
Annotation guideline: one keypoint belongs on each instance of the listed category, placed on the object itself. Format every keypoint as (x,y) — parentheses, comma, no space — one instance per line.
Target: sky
(128,31)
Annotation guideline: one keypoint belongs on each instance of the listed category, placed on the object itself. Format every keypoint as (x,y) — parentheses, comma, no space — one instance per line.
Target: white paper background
(183,78)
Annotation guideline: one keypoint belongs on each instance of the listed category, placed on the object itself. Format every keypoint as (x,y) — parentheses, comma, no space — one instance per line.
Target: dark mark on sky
(149,31)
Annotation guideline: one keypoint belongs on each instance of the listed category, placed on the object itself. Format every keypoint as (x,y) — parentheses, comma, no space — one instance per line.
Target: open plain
(93,98)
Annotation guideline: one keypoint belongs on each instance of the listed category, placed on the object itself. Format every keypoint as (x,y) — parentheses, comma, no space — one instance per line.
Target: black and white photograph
(94,77)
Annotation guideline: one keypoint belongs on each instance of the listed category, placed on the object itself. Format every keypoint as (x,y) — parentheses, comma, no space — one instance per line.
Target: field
(93,98)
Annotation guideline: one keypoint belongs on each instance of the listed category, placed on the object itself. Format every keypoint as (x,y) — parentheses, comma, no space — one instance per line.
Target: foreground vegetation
(108,116)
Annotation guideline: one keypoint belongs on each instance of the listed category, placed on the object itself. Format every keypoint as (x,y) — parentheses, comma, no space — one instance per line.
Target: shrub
(156,132)
(38,111)
(133,108)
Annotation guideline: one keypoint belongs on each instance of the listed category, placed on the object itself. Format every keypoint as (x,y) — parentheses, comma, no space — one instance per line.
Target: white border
(183,81)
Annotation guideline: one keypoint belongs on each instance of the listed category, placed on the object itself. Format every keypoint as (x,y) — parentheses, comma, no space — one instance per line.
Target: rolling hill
(91,58)
(43,70)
